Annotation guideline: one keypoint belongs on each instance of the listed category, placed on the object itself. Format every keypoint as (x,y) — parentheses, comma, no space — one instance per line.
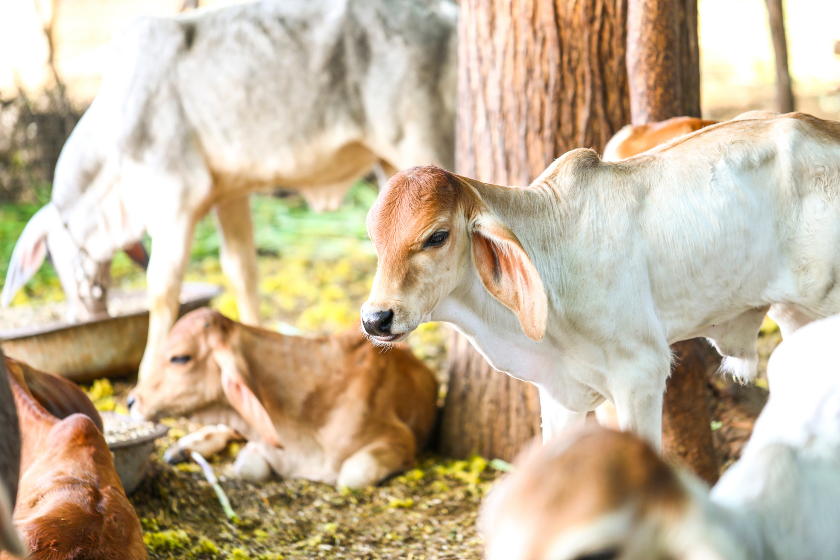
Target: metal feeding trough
(107,347)
(131,442)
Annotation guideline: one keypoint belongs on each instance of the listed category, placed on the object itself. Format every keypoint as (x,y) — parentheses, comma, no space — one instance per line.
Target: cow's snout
(378,323)
(131,400)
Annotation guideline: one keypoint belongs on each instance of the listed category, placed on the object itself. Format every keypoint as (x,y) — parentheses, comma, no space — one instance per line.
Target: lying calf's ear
(242,397)
(508,273)
(29,252)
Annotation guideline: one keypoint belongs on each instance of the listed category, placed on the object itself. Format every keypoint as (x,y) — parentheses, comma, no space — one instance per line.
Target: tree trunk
(536,79)
(784,87)
(660,88)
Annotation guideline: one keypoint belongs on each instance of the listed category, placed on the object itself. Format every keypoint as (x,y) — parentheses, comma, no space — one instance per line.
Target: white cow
(196,111)
(581,281)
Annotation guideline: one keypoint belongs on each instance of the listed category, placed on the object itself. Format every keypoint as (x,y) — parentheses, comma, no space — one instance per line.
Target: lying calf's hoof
(175,455)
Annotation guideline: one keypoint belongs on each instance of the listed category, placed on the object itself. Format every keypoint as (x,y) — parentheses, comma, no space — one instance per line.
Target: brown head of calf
(71,504)
(206,370)
(590,494)
(431,229)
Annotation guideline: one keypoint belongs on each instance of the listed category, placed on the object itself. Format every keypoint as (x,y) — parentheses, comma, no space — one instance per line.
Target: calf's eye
(437,239)
(179,359)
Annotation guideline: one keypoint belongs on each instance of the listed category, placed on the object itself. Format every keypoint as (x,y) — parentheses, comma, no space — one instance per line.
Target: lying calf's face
(187,377)
(202,365)
(434,235)
(594,495)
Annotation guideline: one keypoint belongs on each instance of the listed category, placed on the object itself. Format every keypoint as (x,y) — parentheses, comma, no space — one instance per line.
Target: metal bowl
(108,347)
(132,456)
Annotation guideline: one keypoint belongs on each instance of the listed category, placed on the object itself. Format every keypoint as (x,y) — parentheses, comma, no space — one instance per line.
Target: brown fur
(576,479)
(333,394)
(71,504)
(646,136)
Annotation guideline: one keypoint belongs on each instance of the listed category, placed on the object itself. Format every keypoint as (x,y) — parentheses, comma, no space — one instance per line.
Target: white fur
(616,141)
(251,465)
(361,470)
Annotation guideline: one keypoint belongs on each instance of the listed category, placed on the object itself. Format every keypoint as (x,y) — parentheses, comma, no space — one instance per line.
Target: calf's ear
(508,273)
(241,396)
(29,252)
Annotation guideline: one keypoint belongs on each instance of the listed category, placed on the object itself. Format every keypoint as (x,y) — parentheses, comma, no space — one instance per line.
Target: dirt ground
(427,513)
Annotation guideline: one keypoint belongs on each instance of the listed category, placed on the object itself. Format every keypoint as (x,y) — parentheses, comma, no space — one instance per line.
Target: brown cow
(332,409)
(633,140)
(70,502)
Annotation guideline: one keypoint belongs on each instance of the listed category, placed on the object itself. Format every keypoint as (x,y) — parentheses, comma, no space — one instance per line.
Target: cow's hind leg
(789,318)
(251,464)
(390,454)
(735,341)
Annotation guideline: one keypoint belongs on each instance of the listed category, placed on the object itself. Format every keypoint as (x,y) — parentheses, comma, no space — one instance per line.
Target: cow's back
(275,89)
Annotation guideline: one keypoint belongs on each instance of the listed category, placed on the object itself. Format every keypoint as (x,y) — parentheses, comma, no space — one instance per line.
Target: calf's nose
(130,401)
(378,323)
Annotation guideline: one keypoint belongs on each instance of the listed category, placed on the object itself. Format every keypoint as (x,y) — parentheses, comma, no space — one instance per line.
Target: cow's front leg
(239,256)
(556,417)
(640,411)
(170,252)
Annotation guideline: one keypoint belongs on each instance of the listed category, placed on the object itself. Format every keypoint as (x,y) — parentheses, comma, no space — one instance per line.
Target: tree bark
(784,86)
(536,79)
(660,88)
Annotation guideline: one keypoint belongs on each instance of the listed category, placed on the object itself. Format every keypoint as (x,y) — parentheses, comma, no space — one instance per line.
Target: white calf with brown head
(580,282)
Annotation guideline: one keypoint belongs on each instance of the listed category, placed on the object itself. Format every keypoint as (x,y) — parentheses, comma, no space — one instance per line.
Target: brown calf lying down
(9,464)
(70,502)
(332,409)
(633,140)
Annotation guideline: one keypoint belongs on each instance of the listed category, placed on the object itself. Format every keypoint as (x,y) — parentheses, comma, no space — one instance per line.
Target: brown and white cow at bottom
(70,501)
(605,495)
(331,409)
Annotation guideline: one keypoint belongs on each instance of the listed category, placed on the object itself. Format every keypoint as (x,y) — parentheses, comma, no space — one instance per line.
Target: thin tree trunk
(784,86)
(536,79)
(660,88)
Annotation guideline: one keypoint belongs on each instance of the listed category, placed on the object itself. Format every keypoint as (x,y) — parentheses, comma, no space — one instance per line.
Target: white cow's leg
(640,412)
(170,252)
(789,318)
(556,417)
(239,255)
(251,465)
(206,441)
